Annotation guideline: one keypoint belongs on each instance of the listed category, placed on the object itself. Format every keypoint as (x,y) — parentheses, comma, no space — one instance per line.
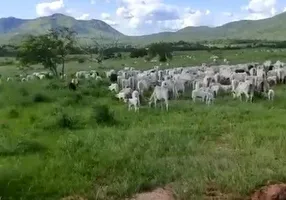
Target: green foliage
(49,49)
(136,53)
(68,121)
(40,49)
(19,147)
(40,97)
(103,115)
(13,113)
(81,60)
(55,149)
(7,61)
(162,50)
(65,39)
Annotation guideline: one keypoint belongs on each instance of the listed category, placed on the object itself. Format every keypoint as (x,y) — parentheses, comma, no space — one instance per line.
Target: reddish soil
(270,192)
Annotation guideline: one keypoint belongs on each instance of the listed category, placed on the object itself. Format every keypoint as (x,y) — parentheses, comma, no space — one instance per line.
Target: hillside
(12,29)
(267,29)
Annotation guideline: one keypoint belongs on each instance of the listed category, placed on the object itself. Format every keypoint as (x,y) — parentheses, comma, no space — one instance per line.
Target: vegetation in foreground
(56,143)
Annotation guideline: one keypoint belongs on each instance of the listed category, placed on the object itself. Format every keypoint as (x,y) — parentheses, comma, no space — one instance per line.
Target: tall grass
(55,142)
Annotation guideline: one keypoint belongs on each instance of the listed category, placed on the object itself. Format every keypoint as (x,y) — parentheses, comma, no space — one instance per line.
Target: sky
(139,17)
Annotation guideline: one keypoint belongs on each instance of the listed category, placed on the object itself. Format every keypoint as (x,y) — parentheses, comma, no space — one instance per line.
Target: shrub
(54,86)
(24,92)
(13,113)
(81,60)
(162,58)
(12,148)
(39,97)
(68,121)
(103,115)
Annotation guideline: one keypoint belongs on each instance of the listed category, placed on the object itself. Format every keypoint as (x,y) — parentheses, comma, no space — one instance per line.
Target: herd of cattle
(201,82)
(204,82)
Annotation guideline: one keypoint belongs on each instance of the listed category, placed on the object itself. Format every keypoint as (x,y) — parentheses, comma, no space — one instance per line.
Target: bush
(67,121)
(7,62)
(12,148)
(162,58)
(24,92)
(118,55)
(53,86)
(103,115)
(39,97)
(80,60)
(13,113)
(136,53)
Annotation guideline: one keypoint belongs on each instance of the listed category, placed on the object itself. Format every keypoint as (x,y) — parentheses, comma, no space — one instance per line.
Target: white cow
(160,93)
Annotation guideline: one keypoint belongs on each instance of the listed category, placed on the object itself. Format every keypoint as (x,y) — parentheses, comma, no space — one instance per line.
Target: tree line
(111,50)
(52,49)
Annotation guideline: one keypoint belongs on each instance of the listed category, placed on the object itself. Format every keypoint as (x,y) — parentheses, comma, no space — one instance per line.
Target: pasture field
(179,59)
(56,143)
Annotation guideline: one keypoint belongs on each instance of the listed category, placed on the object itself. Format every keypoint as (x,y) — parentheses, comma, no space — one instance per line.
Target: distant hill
(274,28)
(13,28)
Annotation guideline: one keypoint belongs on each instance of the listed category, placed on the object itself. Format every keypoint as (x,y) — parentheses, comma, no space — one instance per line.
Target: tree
(88,47)
(136,53)
(39,49)
(49,49)
(162,50)
(65,39)
(104,47)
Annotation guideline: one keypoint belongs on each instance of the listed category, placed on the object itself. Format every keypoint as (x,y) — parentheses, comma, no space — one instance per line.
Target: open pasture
(55,142)
(183,59)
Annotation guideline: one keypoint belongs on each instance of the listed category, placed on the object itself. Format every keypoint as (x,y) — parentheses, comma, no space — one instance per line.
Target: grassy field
(56,143)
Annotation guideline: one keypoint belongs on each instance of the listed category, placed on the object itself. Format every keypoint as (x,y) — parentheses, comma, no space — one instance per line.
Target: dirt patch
(270,192)
(165,193)
(75,197)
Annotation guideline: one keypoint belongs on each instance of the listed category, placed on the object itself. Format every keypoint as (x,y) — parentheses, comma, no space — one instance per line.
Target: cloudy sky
(137,17)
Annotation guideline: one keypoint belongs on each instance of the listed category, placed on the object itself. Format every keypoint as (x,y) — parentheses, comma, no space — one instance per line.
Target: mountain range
(274,28)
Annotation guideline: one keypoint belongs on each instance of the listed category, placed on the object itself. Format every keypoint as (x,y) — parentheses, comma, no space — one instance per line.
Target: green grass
(56,143)
(180,60)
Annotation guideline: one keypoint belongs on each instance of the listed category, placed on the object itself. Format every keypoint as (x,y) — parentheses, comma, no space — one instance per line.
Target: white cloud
(149,16)
(260,9)
(84,16)
(105,16)
(48,8)
(137,14)
(111,22)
